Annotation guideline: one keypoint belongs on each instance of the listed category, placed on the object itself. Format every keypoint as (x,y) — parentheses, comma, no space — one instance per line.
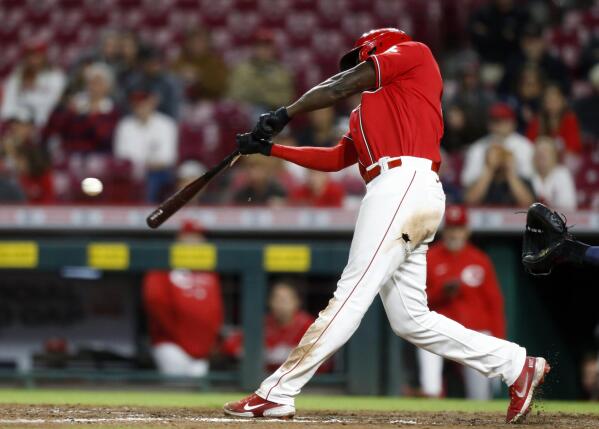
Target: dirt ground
(36,416)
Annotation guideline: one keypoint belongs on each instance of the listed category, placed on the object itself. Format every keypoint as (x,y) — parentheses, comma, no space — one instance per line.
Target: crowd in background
(521,101)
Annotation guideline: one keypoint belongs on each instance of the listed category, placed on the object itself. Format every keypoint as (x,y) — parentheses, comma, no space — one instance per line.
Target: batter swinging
(394,137)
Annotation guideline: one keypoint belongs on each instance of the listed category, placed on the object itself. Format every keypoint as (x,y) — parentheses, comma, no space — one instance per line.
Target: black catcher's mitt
(547,241)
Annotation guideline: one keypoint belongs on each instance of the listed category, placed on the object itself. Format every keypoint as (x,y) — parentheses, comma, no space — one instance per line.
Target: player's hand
(270,124)
(249,144)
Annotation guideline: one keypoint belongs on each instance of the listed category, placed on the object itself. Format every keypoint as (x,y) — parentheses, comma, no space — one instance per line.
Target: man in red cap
(394,137)
(462,285)
(498,167)
(185,313)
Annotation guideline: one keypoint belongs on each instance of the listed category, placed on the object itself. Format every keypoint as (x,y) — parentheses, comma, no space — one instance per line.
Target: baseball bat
(169,207)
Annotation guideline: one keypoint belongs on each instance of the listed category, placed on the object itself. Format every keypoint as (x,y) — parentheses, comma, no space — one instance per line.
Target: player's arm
(335,158)
(335,88)
(325,94)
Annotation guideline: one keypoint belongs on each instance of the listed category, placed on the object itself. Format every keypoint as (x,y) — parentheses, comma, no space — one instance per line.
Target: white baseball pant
(398,216)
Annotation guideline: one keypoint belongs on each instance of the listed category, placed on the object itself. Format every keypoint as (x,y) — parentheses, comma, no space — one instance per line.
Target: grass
(304,402)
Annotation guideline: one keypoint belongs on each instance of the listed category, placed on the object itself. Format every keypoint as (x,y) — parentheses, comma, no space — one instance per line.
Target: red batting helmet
(373,41)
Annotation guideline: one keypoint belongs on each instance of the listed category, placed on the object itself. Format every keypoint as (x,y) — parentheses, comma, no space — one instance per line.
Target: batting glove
(249,144)
(270,124)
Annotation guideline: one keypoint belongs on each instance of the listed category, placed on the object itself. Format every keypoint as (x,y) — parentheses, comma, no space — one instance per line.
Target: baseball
(92,186)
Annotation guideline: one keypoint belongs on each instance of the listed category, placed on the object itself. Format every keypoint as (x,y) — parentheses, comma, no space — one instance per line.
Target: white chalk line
(189,419)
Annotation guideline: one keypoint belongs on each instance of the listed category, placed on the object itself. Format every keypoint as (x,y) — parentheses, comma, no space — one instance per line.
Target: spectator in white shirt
(502,131)
(553,183)
(498,167)
(33,85)
(149,140)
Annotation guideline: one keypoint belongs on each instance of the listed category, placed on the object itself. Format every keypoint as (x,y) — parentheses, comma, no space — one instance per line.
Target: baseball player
(394,137)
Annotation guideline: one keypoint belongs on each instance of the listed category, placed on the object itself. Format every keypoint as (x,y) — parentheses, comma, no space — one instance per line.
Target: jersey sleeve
(333,158)
(396,63)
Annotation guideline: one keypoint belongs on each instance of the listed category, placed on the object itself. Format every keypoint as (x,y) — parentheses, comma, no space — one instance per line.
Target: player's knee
(412,325)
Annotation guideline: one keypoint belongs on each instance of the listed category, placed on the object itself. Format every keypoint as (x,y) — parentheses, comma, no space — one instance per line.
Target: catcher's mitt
(545,239)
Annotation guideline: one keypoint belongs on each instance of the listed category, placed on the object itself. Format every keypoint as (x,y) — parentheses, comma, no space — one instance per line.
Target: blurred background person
(462,285)
(586,107)
(495,29)
(552,182)
(319,190)
(498,167)
(284,326)
(184,311)
(202,70)
(528,96)
(320,129)
(33,84)
(556,120)
(86,122)
(262,80)
(152,74)
(149,139)
(533,52)
(260,186)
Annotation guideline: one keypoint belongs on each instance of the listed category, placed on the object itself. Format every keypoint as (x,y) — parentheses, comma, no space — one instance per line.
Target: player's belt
(387,163)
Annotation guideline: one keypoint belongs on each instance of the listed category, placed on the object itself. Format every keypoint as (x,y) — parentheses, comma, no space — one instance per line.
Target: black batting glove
(249,144)
(270,124)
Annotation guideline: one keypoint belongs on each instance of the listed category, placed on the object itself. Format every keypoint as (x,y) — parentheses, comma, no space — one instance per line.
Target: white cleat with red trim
(254,406)
(523,390)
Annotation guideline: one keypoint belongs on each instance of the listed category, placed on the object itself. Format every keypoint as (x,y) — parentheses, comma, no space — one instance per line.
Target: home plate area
(38,416)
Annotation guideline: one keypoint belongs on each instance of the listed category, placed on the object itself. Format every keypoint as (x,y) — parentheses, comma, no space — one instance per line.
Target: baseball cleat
(254,406)
(523,390)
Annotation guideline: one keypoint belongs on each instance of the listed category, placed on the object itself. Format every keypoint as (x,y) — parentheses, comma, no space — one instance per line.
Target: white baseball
(92,186)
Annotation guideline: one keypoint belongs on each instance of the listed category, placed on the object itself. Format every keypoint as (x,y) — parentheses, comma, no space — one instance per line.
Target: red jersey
(401,117)
(185,308)
(568,132)
(478,303)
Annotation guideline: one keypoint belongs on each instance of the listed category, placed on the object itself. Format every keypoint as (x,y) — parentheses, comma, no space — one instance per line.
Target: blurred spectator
(262,80)
(459,130)
(462,285)
(534,52)
(87,122)
(586,108)
(19,131)
(203,71)
(589,57)
(151,74)
(553,183)
(466,112)
(128,57)
(498,167)
(496,28)
(528,96)
(35,175)
(320,130)
(10,192)
(33,84)
(318,191)
(184,312)
(284,326)
(190,170)
(261,188)
(557,120)
(149,140)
